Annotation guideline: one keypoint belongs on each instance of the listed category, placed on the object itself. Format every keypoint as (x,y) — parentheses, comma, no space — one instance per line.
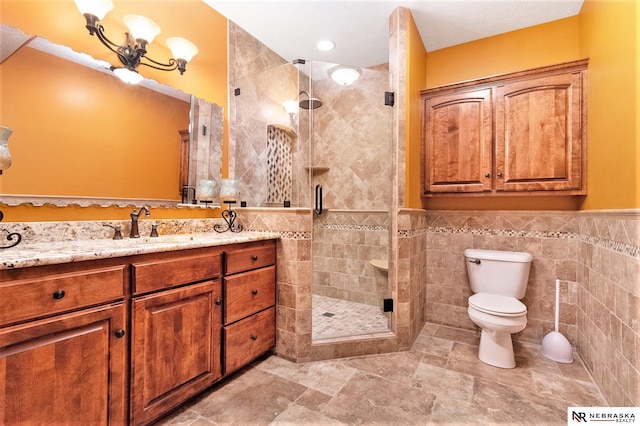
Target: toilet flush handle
(476,261)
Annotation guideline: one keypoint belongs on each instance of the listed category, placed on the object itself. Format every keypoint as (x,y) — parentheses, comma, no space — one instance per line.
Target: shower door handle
(318,208)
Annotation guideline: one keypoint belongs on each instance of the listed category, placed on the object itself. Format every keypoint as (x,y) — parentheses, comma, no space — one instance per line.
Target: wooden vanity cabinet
(63,345)
(175,330)
(126,340)
(517,133)
(249,286)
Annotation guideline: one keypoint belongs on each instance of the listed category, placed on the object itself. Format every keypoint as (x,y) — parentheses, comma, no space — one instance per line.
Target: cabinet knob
(218,302)
(254,258)
(58,294)
(120,333)
(499,174)
(254,292)
(487,175)
(254,337)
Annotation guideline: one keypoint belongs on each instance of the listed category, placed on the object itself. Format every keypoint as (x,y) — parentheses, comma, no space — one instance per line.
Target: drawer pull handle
(254,258)
(58,294)
(254,337)
(218,302)
(254,292)
(119,333)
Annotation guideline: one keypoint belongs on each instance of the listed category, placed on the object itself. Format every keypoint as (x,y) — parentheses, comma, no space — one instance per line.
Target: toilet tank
(498,272)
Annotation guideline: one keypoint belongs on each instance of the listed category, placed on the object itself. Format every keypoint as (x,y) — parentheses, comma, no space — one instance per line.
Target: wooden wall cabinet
(513,134)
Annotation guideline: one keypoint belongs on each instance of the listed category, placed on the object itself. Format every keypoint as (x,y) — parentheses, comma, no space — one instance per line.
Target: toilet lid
(497,305)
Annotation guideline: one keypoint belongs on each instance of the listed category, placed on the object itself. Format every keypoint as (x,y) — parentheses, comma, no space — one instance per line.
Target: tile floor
(334,318)
(440,381)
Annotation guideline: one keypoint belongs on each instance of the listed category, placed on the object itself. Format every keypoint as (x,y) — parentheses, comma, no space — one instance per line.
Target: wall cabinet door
(175,347)
(539,134)
(68,369)
(457,142)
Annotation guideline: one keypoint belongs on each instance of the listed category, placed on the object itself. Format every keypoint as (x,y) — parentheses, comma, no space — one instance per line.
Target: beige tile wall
(595,254)
(344,243)
(552,239)
(608,314)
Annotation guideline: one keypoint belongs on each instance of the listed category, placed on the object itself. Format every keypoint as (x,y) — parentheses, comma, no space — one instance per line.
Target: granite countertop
(50,253)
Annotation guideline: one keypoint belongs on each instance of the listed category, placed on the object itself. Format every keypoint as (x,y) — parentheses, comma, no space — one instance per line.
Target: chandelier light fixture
(133,53)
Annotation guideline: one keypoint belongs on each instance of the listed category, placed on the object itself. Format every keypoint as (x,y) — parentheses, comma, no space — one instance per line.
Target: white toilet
(498,279)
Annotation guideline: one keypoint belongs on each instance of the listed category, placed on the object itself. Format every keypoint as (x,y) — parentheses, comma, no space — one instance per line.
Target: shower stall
(305,141)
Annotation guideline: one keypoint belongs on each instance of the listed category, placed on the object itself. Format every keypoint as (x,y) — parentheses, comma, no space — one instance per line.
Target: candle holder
(229,217)
(10,236)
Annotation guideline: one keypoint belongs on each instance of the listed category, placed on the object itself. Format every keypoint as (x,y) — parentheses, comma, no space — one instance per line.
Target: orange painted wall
(608,36)
(606,32)
(416,69)
(206,77)
(540,45)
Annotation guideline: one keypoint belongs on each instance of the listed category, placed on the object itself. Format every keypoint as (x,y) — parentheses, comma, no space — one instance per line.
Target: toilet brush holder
(555,346)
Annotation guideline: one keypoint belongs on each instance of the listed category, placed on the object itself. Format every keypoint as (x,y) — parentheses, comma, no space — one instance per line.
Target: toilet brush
(555,346)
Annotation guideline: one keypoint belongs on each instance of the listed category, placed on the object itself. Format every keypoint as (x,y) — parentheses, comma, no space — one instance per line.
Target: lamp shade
(345,76)
(141,27)
(98,8)
(182,48)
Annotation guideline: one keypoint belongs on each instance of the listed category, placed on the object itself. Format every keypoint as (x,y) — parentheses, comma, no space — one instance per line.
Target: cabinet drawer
(248,293)
(43,296)
(166,273)
(247,339)
(256,256)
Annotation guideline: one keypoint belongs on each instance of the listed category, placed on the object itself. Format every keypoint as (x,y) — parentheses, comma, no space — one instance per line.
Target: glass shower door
(350,173)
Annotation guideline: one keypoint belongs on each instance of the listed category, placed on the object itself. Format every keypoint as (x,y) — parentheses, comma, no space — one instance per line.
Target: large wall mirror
(81,136)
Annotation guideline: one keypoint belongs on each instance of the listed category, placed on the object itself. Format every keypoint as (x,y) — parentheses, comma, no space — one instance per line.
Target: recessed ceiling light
(325,45)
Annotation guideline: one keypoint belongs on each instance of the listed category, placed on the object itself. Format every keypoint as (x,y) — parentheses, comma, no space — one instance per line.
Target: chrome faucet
(134,220)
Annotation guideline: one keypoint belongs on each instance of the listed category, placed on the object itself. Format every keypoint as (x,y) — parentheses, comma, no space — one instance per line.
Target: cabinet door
(175,347)
(539,126)
(457,142)
(68,369)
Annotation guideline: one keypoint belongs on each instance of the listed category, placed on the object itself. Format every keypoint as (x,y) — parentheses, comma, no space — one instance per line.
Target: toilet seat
(494,304)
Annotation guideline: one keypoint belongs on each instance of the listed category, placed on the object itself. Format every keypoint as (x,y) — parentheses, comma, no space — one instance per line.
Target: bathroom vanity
(135,332)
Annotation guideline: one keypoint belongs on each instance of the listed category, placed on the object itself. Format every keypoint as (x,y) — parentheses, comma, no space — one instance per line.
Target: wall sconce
(344,75)
(142,31)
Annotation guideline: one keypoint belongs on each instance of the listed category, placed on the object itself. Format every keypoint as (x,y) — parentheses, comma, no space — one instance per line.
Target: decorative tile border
(619,247)
(351,227)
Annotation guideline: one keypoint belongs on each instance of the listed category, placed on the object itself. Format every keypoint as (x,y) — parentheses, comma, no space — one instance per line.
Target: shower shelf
(381,264)
(316,170)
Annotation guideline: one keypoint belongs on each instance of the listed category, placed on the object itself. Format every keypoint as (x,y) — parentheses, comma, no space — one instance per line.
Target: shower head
(309,103)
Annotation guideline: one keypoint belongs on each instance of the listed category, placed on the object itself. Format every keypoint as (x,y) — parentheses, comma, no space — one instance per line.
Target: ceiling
(360,28)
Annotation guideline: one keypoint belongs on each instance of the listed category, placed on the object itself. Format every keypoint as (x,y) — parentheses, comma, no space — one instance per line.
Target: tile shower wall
(352,136)
(260,81)
(343,246)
